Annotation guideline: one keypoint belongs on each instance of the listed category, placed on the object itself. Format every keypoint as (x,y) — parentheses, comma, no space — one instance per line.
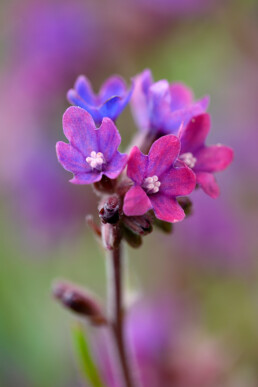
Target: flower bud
(133,239)
(141,225)
(79,301)
(186,204)
(109,213)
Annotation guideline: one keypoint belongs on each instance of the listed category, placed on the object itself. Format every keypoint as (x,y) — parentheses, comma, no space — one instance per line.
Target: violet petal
(79,129)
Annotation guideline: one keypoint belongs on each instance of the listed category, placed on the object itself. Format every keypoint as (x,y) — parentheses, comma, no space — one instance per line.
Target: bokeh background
(210,259)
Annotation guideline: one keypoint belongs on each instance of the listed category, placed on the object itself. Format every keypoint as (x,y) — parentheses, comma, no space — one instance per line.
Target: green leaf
(85,358)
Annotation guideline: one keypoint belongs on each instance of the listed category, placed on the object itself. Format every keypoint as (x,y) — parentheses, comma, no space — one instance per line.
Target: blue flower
(110,102)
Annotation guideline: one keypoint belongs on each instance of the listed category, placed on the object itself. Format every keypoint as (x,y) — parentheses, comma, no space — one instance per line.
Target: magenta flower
(158,181)
(162,107)
(204,160)
(111,100)
(92,152)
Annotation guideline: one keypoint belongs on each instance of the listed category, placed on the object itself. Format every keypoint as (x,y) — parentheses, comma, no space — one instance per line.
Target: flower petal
(116,165)
(180,95)
(137,165)
(193,136)
(208,184)
(162,154)
(112,87)
(108,138)
(159,104)
(167,208)
(86,178)
(79,129)
(136,202)
(71,159)
(213,158)
(184,115)
(84,90)
(177,182)
(76,100)
(111,108)
(138,102)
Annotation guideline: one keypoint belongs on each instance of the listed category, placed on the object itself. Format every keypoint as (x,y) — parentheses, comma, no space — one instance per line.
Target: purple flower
(204,160)
(92,152)
(158,181)
(162,107)
(111,100)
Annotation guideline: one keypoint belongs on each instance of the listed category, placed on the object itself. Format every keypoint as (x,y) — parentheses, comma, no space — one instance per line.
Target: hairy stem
(115,294)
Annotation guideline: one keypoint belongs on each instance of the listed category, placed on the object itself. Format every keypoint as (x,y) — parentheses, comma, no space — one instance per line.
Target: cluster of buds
(167,160)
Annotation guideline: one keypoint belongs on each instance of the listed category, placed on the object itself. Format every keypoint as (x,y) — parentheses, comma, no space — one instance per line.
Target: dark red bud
(109,213)
(79,301)
(141,225)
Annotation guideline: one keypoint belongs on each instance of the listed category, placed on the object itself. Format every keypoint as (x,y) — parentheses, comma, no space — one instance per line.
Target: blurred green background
(212,256)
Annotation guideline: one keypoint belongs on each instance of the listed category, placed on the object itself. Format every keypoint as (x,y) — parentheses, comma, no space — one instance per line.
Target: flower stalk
(116,313)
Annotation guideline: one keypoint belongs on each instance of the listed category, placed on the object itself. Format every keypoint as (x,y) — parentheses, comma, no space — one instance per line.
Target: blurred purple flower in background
(167,347)
(49,47)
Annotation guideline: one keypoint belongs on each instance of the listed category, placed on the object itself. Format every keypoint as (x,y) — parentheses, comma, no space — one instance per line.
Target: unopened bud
(133,239)
(105,185)
(109,213)
(166,227)
(141,225)
(79,301)
(186,204)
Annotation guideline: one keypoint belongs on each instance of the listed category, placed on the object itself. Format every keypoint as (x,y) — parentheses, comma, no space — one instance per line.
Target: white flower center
(95,160)
(189,159)
(151,184)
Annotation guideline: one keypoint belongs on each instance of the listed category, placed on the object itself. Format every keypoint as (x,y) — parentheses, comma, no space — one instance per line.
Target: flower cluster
(175,127)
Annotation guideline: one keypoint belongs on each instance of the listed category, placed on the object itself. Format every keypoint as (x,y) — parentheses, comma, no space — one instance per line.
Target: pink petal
(137,165)
(194,135)
(167,208)
(136,202)
(162,155)
(208,184)
(79,129)
(178,182)
(108,138)
(213,158)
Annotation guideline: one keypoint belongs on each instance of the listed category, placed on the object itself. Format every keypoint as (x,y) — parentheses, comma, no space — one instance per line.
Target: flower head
(162,107)
(111,100)
(204,160)
(157,181)
(91,152)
